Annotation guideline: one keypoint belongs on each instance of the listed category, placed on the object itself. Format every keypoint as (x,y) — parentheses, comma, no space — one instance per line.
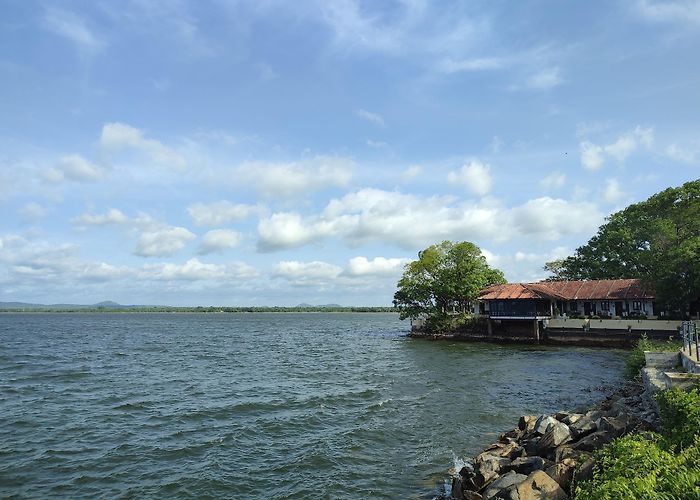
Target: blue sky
(268,152)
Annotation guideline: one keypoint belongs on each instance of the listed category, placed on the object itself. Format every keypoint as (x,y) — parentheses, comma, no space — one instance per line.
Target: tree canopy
(446,277)
(657,240)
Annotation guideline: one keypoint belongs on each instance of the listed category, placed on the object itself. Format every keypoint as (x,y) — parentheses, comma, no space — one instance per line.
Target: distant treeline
(198,309)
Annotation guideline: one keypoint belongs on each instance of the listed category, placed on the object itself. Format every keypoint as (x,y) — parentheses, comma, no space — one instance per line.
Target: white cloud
(368,116)
(379,266)
(555,180)
(679,11)
(191,270)
(32,211)
(413,222)
(681,154)
(162,241)
(612,192)
(220,212)
(74,28)
(545,79)
(113,216)
(306,273)
(117,137)
(450,66)
(591,155)
(411,172)
(74,168)
(474,175)
(219,240)
(287,180)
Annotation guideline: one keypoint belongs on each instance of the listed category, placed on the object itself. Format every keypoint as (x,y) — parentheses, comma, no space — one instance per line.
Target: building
(550,299)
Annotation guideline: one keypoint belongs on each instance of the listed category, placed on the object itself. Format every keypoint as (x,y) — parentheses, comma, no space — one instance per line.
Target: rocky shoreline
(546,455)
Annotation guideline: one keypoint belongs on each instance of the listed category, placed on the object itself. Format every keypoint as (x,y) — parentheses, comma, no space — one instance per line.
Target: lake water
(261,405)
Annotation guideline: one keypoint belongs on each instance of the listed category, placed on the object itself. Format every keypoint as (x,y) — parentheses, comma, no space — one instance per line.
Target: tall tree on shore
(446,277)
(657,240)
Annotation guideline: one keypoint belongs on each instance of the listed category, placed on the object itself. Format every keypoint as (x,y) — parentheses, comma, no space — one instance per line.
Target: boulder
(566,451)
(526,465)
(612,425)
(543,423)
(509,450)
(532,446)
(562,472)
(582,427)
(514,435)
(594,441)
(557,434)
(456,491)
(503,482)
(585,472)
(572,418)
(487,467)
(527,423)
(539,486)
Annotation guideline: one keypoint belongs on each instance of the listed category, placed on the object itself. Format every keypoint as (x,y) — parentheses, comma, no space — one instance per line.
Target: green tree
(446,277)
(657,240)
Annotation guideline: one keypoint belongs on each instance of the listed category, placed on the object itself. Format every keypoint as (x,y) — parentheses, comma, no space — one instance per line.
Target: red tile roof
(570,290)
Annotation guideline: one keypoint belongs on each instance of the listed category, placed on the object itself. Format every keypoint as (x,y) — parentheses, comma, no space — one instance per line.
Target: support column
(536,331)
(489,327)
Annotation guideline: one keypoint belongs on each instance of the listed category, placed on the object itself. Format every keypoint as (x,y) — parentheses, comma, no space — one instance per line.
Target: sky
(273,152)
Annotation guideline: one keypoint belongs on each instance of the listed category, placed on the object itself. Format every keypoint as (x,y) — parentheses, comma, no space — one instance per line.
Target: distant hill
(107,304)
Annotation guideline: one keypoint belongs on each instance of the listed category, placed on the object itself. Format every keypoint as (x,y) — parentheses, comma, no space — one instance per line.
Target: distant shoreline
(199,310)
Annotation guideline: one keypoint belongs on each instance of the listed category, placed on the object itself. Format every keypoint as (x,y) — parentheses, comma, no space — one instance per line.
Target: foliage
(657,240)
(680,416)
(635,360)
(445,278)
(652,466)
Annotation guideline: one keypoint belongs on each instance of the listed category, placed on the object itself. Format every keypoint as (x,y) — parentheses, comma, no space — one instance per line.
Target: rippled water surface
(261,405)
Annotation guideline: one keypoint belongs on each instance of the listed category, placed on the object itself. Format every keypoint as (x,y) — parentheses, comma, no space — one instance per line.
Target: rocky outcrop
(546,454)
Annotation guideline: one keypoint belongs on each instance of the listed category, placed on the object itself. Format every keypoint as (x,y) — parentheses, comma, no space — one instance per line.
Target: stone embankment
(546,455)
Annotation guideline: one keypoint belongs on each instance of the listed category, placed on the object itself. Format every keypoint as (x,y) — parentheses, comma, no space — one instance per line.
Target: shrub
(680,416)
(635,359)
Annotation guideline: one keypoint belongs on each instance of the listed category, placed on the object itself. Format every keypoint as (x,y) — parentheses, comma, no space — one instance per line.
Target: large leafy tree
(657,240)
(446,277)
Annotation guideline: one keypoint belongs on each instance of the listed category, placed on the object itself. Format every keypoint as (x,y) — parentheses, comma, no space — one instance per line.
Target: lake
(262,405)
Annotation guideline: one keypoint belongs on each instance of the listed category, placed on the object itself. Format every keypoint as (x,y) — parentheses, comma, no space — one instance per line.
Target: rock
(503,482)
(582,427)
(572,418)
(543,423)
(527,423)
(487,467)
(557,434)
(594,441)
(566,451)
(510,450)
(539,486)
(612,425)
(457,488)
(526,465)
(562,472)
(514,435)
(472,495)
(594,414)
(532,446)
(585,472)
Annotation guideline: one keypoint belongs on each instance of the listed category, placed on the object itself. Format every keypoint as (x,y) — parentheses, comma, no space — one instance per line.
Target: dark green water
(260,405)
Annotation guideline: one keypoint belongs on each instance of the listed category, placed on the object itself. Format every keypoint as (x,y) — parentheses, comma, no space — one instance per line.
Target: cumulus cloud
(163,241)
(33,211)
(474,175)
(118,137)
(593,156)
(554,180)
(220,212)
(74,168)
(113,216)
(306,273)
(412,222)
(681,154)
(285,180)
(379,266)
(219,240)
(612,192)
(368,116)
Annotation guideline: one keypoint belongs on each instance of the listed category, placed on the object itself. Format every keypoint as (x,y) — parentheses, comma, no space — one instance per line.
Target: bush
(652,466)
(635,359)
(680,416)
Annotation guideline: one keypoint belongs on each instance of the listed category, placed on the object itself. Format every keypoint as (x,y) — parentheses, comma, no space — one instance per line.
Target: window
(605,305)
(572,306)
(637,305)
